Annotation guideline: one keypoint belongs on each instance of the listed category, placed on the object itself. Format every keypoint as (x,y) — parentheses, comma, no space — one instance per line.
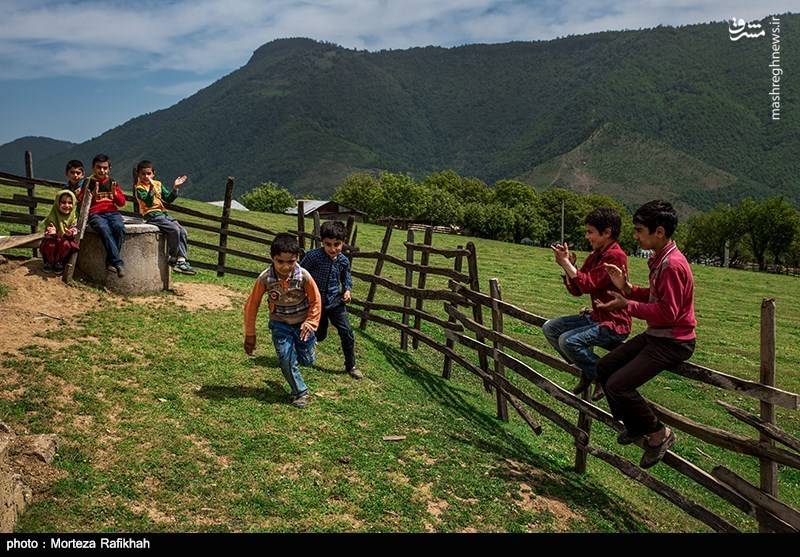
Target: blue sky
(74,69)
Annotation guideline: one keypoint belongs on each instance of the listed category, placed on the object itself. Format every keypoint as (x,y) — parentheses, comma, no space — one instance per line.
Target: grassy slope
(224,453)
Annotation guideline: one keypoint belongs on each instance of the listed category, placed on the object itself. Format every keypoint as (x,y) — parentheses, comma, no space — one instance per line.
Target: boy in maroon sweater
(668,307)
(574,336)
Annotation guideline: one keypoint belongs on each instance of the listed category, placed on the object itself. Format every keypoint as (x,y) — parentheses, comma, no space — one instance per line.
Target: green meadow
(166,425)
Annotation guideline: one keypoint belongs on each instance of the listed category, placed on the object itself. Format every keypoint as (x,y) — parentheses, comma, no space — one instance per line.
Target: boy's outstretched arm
(251,314)
(348,280)
(314,309)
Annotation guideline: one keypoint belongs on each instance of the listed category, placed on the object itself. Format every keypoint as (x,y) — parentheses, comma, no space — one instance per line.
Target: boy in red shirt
(104,216)
(574,336)
(668,307)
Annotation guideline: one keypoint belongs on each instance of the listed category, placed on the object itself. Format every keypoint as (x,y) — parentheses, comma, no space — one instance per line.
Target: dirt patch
(562,514)
(194,296)
(37,303)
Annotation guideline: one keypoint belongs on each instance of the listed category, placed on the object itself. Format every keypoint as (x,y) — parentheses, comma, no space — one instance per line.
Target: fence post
(317,231)
(477,309)
(301,223)
(497,326)
(448,362)
(373,286)
(223,231)
(135,180)
(351,220)
(585,424)
(769,469)
(423,276)
(409,282)
(31,194)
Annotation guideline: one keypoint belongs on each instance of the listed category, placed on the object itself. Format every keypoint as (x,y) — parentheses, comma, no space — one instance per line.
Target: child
(59,233)
(152,196)
(668,307)
(573,336)
(331,271)
(294,310)
(104,217)
(74,173)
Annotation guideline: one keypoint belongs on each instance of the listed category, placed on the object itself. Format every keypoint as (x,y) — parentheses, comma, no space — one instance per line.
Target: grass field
(167,425)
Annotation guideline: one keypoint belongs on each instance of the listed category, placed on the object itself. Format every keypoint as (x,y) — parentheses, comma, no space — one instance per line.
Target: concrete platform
(144,253)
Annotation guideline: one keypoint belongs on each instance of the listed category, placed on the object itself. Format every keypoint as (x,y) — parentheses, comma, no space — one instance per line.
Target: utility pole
(562,222)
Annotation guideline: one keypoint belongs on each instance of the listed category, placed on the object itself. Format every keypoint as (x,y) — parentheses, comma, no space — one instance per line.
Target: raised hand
(50,230)
(618,277)
(179,181)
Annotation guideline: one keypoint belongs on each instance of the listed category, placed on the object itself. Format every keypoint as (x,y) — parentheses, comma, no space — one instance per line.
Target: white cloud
(91,38)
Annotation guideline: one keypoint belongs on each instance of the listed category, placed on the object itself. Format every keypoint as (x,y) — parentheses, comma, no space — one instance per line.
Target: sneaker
(582,385)
(300,401)
(47,268)
(111,269)
(653,454)
(598,392)
(355,373)
(58,268)
(120,271)
(184,268)
(625,438)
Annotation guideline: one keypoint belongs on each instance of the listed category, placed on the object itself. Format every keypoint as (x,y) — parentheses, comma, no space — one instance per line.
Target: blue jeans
(111,229)
(573,336)
(175,233)
(292,351)
(338,316)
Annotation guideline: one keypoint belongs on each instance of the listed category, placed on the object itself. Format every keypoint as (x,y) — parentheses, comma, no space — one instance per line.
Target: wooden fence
(224,226)
(463,304)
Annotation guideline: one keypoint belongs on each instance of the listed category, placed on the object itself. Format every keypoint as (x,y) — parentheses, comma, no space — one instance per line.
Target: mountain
(681,111)
(12,155)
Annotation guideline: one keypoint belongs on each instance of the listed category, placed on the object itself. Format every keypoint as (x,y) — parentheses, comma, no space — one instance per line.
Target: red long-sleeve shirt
(593,279)
(107,195)
(668,304)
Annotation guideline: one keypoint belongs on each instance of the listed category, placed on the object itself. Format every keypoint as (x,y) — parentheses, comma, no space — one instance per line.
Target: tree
(512,193)
(360,191)
(268,198)
(770,225)
(402,197)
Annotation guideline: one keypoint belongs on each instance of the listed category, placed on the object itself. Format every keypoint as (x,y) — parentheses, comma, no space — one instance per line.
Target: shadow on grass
(272,394)
(518,464)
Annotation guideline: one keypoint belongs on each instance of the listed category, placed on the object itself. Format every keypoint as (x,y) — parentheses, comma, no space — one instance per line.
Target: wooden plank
(21,241)
(527,418)
(229,251)
(373,286)
(231,233)
(409,311)
(449,253)
(508,309)
(31,195)
(223,231)
(768,429)
(317,230)
(691,508)
(423,277)
(477,310)
(725,439)
(409,281)
(584,423)
(83,220)
(229,270)
(768,468)
(37,200)
(447,365)
(301,223)
(25,180)
(408,264)
(444,295)
(759,498)
(19,218)
(23,201)
(497,326)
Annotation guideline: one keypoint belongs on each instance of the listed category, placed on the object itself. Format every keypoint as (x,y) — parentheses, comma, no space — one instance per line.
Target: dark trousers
(338,316)
(57,249)
(631,365)
(175,233)
(111,229)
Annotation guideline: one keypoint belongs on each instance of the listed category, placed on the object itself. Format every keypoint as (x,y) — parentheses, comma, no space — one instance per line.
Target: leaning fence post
(317,231)
(448,361)
(477,309)
(135,180)
(223,230)
(497,327)
(769,469)
(373,286)
(423,276)
(585,424)
(301,223)
(351,220)
(409,282)
(31,195)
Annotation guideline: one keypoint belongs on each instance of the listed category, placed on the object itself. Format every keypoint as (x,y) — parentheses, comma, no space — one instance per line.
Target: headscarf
(58,219)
